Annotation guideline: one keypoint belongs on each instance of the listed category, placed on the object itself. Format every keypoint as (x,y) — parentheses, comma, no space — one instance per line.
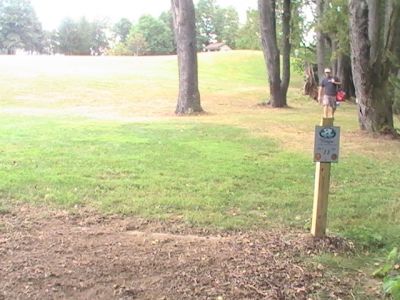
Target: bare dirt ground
(81,254)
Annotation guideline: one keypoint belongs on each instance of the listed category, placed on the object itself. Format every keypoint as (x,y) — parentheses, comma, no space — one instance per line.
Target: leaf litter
(81,254)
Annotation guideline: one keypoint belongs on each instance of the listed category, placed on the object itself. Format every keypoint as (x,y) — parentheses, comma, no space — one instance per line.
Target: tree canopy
(81,37)
(121,29)
(216,24)
(19,27)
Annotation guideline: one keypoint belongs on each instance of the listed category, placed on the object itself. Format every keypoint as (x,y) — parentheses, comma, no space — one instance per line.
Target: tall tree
(227,25)
(335,26)
(167,19)
(321,45)
(185,35)
(82,37)
(249,33)
(215,23)
(136,43)
(205,22)
(375,44)
(300,25)
(278,87)
(99,42)
(157,34)
(51,42)
(69,39)
(19,27)
(121,30)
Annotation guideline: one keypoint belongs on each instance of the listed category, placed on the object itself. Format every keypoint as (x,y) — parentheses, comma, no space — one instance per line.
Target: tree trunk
(370,63)
(185,35)
(341,67)
(335,62)
(11,51)
(375,109)
(320,39)
(311,82)
(267,9)
(345,75)
(286,49)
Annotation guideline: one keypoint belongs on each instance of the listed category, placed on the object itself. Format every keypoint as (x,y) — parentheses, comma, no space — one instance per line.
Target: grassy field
(100,132)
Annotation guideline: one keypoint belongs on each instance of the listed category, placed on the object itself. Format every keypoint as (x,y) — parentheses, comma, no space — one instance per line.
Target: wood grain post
(321,193)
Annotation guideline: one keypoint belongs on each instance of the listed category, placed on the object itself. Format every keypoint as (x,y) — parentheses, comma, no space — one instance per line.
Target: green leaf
(383,271)
(391,286)
(393,255)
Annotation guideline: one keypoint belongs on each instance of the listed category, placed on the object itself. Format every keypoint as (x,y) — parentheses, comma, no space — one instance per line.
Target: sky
(52,12)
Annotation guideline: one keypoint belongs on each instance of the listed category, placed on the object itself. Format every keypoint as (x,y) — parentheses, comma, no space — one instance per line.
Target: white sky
(52,12)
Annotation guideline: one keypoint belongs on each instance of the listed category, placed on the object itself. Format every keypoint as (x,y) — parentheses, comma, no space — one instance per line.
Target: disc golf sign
(326,146)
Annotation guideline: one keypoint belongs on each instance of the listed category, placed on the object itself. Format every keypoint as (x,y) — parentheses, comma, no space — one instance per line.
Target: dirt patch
(48,254)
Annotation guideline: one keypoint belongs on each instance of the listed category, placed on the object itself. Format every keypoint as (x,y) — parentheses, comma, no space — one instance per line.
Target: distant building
(217,47)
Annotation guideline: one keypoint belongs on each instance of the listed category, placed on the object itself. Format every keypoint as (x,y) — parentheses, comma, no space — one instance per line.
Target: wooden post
(321,192)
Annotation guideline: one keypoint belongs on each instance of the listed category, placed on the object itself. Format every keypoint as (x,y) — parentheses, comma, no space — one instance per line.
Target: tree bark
(286,49)
(321,51)
(311,83)
(335,62)
(370,64)
(345,74)
(185,35)
(375,27)
(11,51)
(278,89)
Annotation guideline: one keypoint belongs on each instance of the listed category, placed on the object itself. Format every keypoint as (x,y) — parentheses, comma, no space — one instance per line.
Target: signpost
(326,151)
(326,146)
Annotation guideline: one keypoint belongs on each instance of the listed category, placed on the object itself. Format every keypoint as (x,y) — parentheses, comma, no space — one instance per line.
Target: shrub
(390,273)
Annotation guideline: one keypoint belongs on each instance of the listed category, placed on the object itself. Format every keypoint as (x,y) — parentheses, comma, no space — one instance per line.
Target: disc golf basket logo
(327,133)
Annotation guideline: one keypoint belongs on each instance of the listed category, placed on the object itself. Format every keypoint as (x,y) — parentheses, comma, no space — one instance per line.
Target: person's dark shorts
(329,101)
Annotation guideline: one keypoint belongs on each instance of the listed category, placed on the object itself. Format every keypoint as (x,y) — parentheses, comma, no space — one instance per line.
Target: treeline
(359,39)
(21,29)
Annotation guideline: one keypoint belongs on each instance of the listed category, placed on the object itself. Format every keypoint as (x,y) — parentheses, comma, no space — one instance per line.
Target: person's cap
(327,70)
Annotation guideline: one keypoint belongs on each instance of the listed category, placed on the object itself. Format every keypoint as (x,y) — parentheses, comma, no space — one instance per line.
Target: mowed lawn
(101,132)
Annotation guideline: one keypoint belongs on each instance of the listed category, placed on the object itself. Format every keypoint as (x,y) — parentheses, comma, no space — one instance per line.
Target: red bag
(340,96)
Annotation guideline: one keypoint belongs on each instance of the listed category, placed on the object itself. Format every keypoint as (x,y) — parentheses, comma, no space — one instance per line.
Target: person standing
(327,93)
